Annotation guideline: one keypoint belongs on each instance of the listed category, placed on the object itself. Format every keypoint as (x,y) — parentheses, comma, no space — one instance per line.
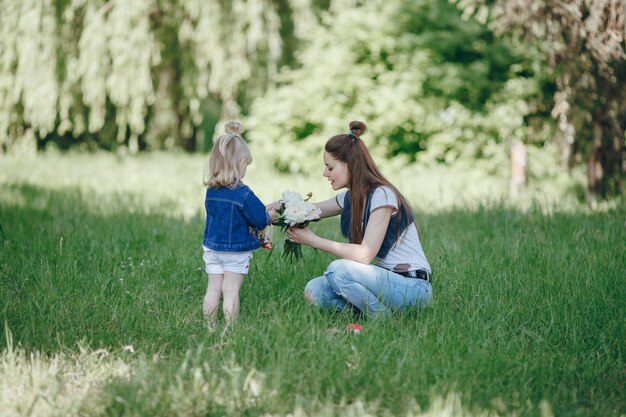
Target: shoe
(353,328)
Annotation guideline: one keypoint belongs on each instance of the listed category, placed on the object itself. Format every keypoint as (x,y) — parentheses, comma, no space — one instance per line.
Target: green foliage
(583,46)
(434,88)
(430,86)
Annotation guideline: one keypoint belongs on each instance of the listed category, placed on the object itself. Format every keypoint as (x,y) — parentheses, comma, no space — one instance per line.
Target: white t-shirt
(407,253)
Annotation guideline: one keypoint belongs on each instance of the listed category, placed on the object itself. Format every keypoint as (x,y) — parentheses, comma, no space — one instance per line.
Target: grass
(101,281)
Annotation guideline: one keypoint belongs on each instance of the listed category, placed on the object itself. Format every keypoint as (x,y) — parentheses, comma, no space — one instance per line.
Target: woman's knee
(312,290)
(339,266)
(338,273)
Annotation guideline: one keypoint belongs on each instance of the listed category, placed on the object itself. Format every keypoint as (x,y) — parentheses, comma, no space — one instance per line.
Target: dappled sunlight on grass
(61,384)
(98,382)
(173,183)
(142,183)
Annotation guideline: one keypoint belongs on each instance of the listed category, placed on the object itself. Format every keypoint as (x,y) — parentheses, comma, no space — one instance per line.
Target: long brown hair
(364,176)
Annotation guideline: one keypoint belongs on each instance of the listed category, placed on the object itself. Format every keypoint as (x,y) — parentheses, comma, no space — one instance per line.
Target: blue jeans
(373,290)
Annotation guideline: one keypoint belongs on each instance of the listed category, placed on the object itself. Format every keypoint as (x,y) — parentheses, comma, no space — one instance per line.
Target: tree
(432,87)
(139,74)
(584,45)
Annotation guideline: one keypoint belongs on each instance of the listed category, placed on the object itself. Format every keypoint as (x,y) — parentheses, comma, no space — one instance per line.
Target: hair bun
(234,128)
(358,128)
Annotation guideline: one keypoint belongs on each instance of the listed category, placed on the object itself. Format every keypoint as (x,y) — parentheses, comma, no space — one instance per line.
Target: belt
(419,274)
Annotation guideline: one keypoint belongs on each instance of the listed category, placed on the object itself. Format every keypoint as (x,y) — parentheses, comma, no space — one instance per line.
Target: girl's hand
(303,236)
(271,209)
(274,205)
(272,214)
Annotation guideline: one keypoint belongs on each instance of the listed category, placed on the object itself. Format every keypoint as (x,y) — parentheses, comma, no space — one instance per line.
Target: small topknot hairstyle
(234,128)
(357,128)
(229,151)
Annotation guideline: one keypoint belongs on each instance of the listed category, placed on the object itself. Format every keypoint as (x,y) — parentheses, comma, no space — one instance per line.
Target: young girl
(233,213)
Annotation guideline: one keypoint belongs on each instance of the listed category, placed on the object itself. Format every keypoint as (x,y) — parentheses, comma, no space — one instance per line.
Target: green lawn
(101,282)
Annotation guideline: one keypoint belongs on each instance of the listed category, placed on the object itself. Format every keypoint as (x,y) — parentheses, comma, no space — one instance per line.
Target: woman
(379,224)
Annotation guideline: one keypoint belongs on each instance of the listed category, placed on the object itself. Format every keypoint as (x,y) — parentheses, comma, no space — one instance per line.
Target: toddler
(233,216)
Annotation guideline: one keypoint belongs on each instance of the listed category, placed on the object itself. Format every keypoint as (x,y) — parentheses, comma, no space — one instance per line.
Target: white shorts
(218,262)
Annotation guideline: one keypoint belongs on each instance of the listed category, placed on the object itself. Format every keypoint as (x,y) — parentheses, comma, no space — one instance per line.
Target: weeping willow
(232,41)
(134,74)
(29,89)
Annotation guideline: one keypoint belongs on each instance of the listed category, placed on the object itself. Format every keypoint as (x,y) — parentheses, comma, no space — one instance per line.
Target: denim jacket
(229,213)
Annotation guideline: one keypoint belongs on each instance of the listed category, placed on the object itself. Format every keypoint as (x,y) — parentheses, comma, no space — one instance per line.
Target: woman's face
(336,172)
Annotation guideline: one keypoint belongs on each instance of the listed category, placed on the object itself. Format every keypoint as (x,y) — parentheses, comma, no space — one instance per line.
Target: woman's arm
(328,207)
(364,252)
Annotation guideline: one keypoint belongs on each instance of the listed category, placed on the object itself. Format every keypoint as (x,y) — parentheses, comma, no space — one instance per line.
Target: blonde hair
(225,168)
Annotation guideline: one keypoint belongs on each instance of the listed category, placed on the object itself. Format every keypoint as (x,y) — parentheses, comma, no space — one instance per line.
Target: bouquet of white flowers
(295,211)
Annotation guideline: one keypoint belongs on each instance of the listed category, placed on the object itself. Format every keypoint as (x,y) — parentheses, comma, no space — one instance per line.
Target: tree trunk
(593,173)
(518,167)
(230,111)
(189,143)
(605,162)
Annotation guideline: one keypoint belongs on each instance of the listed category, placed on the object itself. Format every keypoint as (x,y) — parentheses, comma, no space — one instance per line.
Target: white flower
(297,212)
(290,197)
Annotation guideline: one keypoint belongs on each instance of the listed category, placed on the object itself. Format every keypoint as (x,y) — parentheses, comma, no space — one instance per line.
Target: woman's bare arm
(364,252)
(328,207)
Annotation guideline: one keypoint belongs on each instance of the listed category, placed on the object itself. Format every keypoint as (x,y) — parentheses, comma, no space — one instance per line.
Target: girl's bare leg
(230,289)
(212,298)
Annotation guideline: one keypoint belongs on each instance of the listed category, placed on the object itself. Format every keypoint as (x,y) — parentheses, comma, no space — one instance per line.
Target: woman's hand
(304,236)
